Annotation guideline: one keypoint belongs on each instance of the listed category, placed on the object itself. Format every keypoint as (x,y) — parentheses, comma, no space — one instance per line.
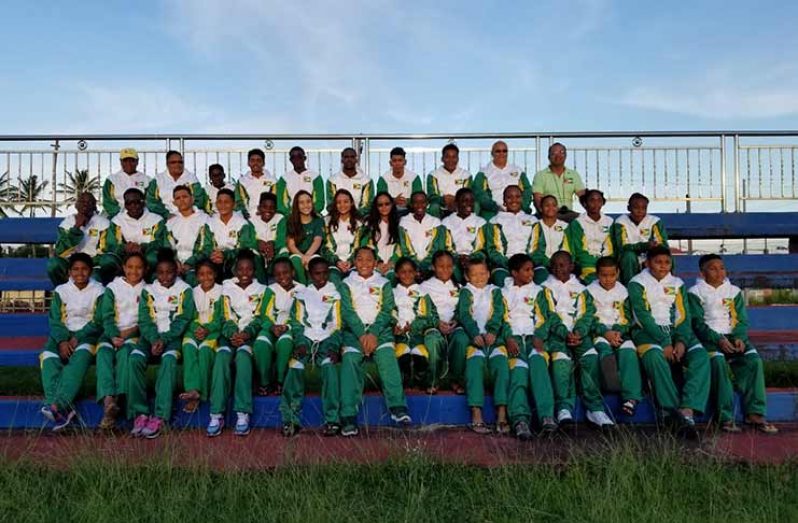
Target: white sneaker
(600,418)
(242,424)
(215,425)
(564,416)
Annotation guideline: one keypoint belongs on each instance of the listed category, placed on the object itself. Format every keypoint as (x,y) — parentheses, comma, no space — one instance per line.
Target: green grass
(633,481)
(26,381)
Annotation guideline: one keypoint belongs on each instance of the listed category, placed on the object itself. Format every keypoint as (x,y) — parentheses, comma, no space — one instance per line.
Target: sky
(350,66)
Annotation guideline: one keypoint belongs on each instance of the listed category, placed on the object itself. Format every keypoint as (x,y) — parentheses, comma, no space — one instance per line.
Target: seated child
(136,230)
(120,314)
(720,321)
(525,330)
(480,310)
(421,234)
(304,234)
(166,309)
(340,235)
(418,342)
(241,302)
(548,237)
(316,330)
(444,294)
(380,232)
(572,340)
(367,304)
(466,231)
(611,325)
(589,235)
(511,234)
(75,325)
(270,230)
(189,234)
(634,234)
(665,339)
(86,232)
(202,337)
(231,233)
(275,343)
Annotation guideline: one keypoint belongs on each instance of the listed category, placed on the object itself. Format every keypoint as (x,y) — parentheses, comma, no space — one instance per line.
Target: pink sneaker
(138,425)
(153,428)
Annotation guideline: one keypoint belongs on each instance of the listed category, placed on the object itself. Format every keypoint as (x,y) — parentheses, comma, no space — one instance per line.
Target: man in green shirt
(559,181)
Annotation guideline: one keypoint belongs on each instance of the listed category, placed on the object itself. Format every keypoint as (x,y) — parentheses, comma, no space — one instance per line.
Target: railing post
(53,206)
(537,154)
(723,173)
(367,154)
(737,185)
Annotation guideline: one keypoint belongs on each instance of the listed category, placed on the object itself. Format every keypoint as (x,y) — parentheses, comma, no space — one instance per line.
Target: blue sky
(385,66)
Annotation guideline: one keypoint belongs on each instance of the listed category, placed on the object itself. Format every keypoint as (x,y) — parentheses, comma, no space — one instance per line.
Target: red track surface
(265,449)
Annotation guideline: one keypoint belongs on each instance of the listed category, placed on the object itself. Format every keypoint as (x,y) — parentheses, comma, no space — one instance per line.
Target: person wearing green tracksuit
(466,232)
(664,338)
(610,333)
(231,233)
(202,337)
(244,315)
(421,234)
(571,341)
(162,187)
(86,232)
(304,234)
(418,341)
(189,234)
(491,181)
(299,178)
(75,325)
(548,237)
(720,321)
(275,343)
(120,314)
(481,312)
(443,182)
(367,304)
(453,343)
(166,309)
(316,329)
(525,331)
(399,181)
(589,235)
(634,234)
(340,235)
(270,231)
(135,229)
(510,234)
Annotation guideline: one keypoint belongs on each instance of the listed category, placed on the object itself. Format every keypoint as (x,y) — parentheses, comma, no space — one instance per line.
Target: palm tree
(29,193)
(7,192)
(77,183)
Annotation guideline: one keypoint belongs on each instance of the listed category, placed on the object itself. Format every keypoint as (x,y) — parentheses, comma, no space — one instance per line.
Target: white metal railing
(686,170)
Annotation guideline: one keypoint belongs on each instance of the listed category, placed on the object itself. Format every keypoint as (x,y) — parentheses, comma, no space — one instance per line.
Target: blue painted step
(445,409)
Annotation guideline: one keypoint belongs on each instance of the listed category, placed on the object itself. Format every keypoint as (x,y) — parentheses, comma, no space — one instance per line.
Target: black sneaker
(331,429)
(522,431)
(401,416)
(350,430)
(290,430)
(549,426)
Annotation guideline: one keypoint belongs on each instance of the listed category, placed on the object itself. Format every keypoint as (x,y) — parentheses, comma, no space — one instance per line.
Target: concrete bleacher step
(441,409)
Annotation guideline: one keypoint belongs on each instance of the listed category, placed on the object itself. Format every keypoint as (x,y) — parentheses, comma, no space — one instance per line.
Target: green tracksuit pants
(293,395)
(198,357)
(456,344)
(630,266)
(529,371)
(421,353)
(272,354)
(112,363)
(221,379)
(628,366)
(495,359)
(695,393)
(744,372)
(353,377)
(588,369)
(61,381)
(165,383)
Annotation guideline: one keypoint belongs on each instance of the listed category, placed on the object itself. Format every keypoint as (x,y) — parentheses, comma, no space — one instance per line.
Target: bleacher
(772,328)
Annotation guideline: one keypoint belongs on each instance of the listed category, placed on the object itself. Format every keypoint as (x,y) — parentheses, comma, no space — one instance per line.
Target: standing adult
(491,181)
(559,181)
(118,183)
(161,189)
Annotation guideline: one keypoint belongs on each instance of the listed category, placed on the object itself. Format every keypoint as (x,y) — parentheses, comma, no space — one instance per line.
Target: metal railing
(681,171)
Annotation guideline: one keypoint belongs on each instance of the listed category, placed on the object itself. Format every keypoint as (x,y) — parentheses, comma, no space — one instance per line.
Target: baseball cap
(128,152)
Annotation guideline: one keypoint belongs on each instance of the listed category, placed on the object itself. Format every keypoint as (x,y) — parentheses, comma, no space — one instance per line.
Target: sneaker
(63,421)
(628,408)
(549,426)
(730,427)
(153,428)
(350,429)
(290,430)
(331,429)
(522,431)
(242,424)
(49,412)
(138,425)
(564,417)
(599,418)
(401,416)
(215,426)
